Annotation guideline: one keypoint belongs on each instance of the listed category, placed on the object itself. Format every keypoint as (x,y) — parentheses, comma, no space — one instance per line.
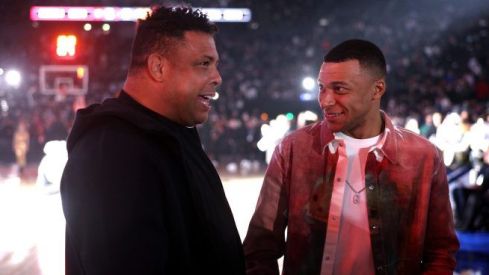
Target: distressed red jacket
(409,213)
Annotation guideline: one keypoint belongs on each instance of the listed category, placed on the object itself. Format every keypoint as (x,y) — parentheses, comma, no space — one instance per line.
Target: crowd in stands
(438,72)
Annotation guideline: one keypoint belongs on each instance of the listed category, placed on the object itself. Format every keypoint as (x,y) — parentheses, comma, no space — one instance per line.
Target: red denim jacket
(409,213)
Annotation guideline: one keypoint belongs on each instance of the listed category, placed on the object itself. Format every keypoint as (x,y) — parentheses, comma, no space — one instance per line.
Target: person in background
(139,194)
(51,167)
(20,145)
(356,194)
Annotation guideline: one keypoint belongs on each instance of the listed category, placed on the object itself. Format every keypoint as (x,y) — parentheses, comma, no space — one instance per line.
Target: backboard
(65,79)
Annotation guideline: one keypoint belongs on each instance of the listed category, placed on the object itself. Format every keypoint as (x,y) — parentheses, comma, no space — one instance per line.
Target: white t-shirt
(347,248)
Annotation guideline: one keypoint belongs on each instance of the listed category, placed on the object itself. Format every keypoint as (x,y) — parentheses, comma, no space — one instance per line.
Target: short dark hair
(164,26)
(367,53)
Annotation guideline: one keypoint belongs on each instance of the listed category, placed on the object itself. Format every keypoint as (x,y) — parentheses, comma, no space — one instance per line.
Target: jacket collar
(389,140)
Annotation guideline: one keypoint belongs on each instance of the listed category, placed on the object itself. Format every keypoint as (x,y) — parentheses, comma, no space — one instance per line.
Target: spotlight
(87,27)
(106,27)
(308,83)
(13,78)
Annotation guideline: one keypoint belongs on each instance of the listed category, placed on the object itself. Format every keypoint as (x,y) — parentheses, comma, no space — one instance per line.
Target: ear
(155,66)
(379,89)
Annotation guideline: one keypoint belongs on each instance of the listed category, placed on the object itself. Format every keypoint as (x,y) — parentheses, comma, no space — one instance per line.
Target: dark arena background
(58,56)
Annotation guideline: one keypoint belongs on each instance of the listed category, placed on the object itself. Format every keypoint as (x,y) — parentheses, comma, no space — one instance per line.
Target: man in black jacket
(139,194)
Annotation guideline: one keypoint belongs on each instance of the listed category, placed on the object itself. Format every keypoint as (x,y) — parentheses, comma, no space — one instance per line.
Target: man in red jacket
(356,194)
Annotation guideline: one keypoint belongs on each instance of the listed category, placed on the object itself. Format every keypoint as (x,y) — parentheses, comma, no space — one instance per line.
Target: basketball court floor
(32,226)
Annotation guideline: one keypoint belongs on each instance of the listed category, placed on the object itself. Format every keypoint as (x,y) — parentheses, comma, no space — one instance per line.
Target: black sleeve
(112,202)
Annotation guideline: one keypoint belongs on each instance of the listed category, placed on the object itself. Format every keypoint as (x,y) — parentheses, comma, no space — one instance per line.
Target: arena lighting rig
(115,14)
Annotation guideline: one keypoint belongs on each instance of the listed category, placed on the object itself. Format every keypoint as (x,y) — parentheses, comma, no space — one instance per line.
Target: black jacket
(141,197)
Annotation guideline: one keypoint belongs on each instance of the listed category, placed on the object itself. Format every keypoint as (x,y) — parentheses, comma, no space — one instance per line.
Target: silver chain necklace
(356,197)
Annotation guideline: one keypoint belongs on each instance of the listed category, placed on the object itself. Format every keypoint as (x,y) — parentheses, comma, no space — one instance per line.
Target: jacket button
(371,187)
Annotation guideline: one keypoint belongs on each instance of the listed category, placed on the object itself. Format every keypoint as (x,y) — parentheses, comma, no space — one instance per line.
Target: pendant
(356,199)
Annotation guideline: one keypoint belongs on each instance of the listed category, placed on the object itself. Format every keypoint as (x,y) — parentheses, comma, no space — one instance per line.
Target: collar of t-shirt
(354,144)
